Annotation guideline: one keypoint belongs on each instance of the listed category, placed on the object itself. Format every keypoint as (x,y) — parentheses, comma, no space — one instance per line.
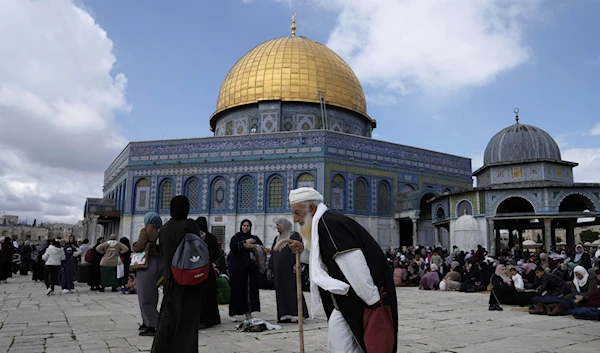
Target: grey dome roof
(519,143)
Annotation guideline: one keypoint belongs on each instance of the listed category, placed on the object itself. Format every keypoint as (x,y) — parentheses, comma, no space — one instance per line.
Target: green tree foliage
(589,235)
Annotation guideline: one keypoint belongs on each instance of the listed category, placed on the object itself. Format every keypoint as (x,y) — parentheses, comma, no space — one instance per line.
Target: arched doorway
(425,229)
(574,207)
(515,216)
(515,205)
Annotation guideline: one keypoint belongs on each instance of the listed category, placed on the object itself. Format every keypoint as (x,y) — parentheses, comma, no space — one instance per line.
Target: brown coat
(111,253)
(148,234)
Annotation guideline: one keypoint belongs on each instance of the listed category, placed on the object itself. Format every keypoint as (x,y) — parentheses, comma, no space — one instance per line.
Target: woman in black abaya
(180,310)
(244,273)
(281,268)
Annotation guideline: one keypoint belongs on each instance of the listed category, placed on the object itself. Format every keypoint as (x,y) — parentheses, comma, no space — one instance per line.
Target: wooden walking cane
(298,292)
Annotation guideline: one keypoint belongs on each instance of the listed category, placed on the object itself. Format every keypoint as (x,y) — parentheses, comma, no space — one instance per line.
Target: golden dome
(292,69)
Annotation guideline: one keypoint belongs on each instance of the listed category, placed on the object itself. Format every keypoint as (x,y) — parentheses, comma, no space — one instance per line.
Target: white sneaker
(65,291)
(71,290)
(48,291)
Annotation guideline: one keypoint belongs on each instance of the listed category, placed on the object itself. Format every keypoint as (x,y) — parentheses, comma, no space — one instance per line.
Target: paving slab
(430,321)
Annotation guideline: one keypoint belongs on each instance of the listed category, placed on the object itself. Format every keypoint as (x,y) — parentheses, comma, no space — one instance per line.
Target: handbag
(120,268)
(139,260)
(378,327)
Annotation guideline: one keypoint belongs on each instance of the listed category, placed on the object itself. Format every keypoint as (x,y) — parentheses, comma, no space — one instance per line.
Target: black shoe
(498,307)
(149,331)
(142,327)
(492,307)
(101,289)
(284,321)
(114,289)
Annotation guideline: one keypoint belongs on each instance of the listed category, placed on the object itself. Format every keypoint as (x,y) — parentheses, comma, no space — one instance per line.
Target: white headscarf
(598,253)
(580,282)
(578,255)
(318,276)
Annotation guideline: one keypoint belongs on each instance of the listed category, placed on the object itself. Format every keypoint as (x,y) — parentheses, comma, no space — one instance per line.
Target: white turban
(303,195)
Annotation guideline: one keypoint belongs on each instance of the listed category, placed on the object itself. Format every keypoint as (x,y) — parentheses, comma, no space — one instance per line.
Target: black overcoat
(339,234)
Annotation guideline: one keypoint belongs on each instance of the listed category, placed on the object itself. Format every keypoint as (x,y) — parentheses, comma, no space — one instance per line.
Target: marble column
(415,234)
(547,234)
(571,237)
(436,236)
(491,235)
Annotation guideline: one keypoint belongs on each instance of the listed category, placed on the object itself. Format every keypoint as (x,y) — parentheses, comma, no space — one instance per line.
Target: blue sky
(175,58)
(81,78)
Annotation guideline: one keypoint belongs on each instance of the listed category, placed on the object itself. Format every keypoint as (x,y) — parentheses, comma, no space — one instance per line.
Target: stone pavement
(430,321)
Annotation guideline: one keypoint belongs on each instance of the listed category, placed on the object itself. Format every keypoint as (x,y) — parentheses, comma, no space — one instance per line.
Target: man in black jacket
(550,284)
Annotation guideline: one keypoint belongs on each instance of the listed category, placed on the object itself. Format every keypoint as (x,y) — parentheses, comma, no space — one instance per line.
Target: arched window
(275,193)
(166,195)
(464,207)
(305,180)
(338,189)
(246,194)
(218,194)
(360,195)
(142,190)
(192,191)
(383,198)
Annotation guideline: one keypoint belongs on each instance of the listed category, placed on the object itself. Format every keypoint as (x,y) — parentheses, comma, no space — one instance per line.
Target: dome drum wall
(526,172)
(294,69)
(281,116)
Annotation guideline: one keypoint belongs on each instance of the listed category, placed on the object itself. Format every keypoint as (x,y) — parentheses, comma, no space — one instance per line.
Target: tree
(588,235)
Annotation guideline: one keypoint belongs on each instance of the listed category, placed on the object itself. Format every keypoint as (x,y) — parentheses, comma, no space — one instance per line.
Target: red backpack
(89,256)
(191,262)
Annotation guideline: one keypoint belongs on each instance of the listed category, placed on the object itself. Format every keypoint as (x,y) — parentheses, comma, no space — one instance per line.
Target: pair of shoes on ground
(495,307)
(146,331)
(550,309)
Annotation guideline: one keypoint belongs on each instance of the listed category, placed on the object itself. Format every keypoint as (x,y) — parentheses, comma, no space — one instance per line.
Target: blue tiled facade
(322,154)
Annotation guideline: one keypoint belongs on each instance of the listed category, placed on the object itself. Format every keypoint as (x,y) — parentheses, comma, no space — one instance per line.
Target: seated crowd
(549,283)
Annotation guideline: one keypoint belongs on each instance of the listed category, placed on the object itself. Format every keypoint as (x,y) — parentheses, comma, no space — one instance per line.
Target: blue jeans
(585,313)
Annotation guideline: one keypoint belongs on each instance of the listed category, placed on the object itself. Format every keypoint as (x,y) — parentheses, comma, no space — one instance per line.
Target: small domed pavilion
(524,184)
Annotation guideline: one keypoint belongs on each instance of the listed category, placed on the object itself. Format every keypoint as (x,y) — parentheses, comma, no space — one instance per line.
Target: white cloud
(57,104)
(588,169)
(382,99)
(434,46)
(595,130)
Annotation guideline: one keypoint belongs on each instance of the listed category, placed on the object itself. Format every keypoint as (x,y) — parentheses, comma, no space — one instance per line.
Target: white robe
(354,267)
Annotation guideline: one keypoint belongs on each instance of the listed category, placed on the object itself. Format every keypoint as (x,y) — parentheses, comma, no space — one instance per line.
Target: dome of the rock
(294,69)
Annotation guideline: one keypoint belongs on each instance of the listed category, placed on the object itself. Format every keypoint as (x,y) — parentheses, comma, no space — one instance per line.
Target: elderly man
(347,270)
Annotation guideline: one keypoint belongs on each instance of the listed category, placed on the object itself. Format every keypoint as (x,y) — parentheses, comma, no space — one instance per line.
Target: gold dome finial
(294,25)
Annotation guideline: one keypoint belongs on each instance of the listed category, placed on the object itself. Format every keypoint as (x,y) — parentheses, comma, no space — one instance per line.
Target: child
(517,279)
(130,288)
